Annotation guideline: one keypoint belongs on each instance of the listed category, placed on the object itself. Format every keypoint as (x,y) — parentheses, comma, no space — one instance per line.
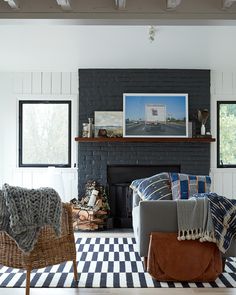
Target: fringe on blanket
(195,234)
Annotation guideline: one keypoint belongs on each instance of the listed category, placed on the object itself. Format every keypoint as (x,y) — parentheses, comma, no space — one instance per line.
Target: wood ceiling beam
(227,3)
(120,4)
(13,3)
(136,12)
(65,4)
(172,4)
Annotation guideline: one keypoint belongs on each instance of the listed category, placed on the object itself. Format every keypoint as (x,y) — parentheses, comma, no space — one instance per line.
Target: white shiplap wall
(48,85)
(58,85)
(223,87)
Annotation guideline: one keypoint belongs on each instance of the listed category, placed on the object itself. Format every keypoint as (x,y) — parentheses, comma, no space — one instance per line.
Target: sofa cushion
(184,186)
(135,184)
(155,187)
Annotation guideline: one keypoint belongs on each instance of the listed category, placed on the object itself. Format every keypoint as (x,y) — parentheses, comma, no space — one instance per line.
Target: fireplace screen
(119,178)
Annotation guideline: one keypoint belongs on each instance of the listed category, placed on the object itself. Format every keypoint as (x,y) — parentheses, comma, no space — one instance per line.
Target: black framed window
(226,134)
(44,133)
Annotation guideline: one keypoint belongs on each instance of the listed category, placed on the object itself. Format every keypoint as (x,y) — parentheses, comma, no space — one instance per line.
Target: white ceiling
(67,48)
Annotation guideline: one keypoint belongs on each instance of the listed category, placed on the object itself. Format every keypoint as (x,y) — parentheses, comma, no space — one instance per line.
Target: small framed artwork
(108,124)
(155,115)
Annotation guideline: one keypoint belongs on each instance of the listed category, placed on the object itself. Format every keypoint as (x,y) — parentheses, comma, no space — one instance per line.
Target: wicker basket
(49,249)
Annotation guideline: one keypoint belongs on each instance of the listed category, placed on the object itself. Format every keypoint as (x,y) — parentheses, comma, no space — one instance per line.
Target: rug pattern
(105,263)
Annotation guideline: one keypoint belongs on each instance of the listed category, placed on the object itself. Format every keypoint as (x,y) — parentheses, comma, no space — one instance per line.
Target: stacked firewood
(92,210)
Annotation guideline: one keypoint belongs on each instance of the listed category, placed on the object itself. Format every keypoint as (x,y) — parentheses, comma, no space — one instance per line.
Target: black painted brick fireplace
(119,178)
(102,90)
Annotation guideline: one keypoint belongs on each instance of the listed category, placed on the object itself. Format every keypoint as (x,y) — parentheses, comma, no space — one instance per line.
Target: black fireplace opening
(119,178)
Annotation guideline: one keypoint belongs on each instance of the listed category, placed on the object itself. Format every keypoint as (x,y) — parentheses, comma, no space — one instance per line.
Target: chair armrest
(136,199)
(67,222)
(153,216)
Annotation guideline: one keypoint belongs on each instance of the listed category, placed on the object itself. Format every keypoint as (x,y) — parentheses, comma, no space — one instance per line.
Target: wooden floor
(107,234)
(118,291)
(121,291)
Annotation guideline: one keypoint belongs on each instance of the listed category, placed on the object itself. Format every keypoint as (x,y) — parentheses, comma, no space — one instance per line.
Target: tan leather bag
(173,260)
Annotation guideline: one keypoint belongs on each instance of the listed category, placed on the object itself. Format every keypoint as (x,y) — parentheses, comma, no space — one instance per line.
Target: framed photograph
(155,115)
(108,124)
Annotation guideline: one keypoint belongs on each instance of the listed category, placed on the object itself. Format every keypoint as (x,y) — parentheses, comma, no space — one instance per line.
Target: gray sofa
(157,216)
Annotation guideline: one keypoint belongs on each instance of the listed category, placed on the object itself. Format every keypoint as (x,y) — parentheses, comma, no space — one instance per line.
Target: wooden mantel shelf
(145,139)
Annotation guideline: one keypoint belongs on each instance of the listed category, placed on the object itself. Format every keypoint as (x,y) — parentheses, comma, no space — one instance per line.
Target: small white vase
(203,130)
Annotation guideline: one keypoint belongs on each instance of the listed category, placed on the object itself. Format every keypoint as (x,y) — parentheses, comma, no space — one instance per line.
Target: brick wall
(102,90)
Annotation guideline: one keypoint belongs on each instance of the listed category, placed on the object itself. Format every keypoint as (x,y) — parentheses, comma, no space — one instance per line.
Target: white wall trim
(223,87)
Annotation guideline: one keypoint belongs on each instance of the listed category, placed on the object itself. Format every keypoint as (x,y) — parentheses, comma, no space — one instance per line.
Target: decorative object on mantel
(88,128)
(91,212)
(108,124)
(202,116)
(102,133)
(155,115)
(85,130)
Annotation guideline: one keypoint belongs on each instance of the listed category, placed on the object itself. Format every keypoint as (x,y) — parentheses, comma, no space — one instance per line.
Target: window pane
(227,134)
(45,133)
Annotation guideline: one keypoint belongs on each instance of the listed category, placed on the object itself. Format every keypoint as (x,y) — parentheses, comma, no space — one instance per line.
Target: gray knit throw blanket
(23,212)
(195,220)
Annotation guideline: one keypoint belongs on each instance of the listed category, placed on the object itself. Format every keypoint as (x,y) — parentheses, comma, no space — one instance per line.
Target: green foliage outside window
(227,134)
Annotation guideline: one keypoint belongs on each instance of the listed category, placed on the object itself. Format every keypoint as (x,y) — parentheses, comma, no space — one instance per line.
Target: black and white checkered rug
(105,263)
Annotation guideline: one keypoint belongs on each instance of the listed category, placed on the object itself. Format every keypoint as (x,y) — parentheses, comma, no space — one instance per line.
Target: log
(88,219)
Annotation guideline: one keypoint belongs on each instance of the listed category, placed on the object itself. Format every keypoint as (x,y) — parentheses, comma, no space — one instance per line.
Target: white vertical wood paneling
(234,186)
(56,83)
(65,83)
(234,82)
(74,83)
(27,83)
(41,85)
(35,178)
(18,83)
(17,178)
(36,83)
(74,183)
(213,84)
(224,182)
(213,132)
(223,87)
(27,179)
(70,185)
(217,183)
(39,179)
(227,82)
(217,81)
(227,184)
(46,83)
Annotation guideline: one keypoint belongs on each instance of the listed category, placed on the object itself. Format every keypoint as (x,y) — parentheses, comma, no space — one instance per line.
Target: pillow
(156,187)
(135,184)
(184,186)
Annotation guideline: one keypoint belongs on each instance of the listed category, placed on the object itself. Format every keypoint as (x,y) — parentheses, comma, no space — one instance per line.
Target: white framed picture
(155,115)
